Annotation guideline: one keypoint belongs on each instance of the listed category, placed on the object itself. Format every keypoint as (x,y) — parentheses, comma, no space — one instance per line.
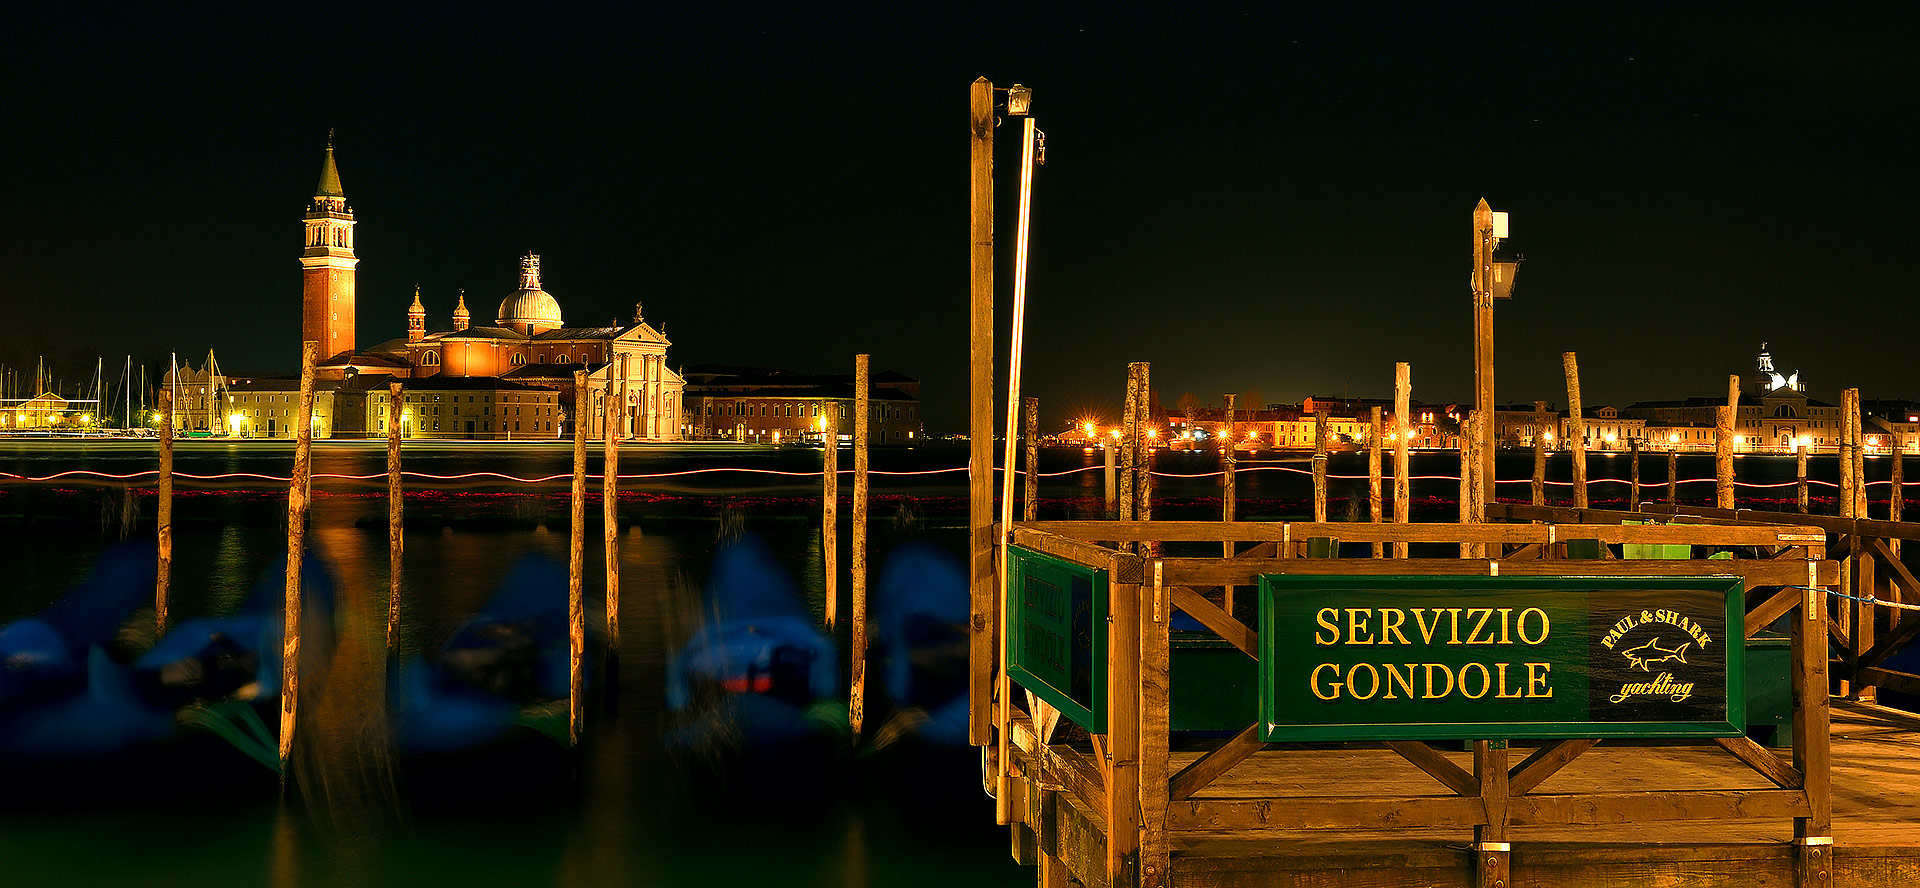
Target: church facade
(487,366)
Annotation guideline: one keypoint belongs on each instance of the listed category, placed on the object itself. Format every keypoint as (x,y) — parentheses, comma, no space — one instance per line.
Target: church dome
(530,309)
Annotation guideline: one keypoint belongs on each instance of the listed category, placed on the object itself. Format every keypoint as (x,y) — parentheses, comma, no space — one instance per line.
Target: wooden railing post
(1123,733)
(1493,854)
(1812,738)
(1155,612)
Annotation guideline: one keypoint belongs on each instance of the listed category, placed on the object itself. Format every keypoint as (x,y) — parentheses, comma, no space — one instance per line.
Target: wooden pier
(1138,804)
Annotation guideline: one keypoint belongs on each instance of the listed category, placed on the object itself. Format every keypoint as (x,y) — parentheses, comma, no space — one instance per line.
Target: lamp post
(1492,279)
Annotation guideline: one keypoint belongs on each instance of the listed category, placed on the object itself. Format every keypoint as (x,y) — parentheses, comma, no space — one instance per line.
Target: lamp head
(1019,100)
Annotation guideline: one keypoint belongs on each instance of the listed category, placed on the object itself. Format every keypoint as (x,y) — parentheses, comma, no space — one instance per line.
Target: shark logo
(1651,652)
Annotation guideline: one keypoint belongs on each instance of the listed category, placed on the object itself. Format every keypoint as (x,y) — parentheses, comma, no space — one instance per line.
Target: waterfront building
(42,411)
(489,366)
(355,406)
(756,404)
(1774,413)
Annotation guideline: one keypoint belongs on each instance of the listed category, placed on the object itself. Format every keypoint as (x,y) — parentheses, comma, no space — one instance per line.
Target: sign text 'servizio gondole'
(1369,658)
(1057,634)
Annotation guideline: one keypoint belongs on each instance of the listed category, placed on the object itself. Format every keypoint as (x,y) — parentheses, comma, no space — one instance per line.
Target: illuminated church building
(495,372)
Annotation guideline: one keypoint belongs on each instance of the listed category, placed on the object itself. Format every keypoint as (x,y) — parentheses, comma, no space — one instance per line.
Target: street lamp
(1493,276)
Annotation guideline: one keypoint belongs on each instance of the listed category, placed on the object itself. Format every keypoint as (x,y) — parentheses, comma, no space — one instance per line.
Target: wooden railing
(1136,805)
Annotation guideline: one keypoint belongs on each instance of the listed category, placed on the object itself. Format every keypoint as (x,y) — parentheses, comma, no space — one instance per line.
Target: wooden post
(1031,512)
(614,417)
(857,676)
(1111,450)
(1800,477)
(1896,501)
(1812,738)
(1154,731)
(830,514)
(577,564)
(396,535)
(1673,475)
(1865,622)
(1320,465)
(1374,454)
(1723,446)
(1859,460)
(1129,445)
(1143,500)
(1844,459)
(1123,735)
(1469,465)
(297,493)
(1492,853)
(1633,455)
(1539,453)
(1227,483)
(1403,425)
(982,613)
(164,574)
(1576,429)
(1483,396)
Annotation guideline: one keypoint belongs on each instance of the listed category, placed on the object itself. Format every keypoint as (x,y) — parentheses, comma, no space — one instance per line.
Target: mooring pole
(981,639)
(297,494)
(1374,512)
(1403,430)
(614,418)
(1723,446)
(1673,474)
(1799,479)
(1896,501)
(830,516)
(1144,408)
(164,575)
(1031,510)
(1227,490)
(1540,453)
(1320,466)
(1469,476)
(396,536)
(1633,453)
(1576,428)
(577,564)
(862,407)
(1110,449)
(1130,455)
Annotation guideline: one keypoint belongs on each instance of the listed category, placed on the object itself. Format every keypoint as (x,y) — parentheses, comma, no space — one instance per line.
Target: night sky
(1270,200)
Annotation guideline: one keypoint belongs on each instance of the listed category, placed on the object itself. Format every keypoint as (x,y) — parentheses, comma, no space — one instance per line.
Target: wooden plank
(1214,572)
(1076,549)
(1896,530)
(1642,807)
(1156,616)
(1545,762)
(1339,812)
(1211,616)
(1221,759)
(1123,734)
(1775,607)
(1763,760)
(1438,766)
(1904,682)
(1076,773)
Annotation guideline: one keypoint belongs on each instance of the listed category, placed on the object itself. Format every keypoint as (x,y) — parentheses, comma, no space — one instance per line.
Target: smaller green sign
(1426,657)
(1057,634)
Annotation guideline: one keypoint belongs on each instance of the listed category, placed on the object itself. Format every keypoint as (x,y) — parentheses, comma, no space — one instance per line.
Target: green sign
(1407,658)
(1057,634)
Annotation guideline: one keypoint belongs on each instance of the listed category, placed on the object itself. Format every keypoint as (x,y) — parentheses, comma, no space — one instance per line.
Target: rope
(1879,601)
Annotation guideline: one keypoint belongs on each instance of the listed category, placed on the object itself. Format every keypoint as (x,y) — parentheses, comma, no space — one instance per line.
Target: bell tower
(327,265)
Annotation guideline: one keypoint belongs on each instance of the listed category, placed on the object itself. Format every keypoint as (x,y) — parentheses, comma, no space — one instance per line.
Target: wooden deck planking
(1876,778)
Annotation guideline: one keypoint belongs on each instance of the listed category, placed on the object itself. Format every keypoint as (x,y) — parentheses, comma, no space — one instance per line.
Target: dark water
(637,818)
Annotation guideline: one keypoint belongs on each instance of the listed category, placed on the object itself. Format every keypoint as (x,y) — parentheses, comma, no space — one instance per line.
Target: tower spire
(327,264)
(416,318)
(329,175)
(461,317)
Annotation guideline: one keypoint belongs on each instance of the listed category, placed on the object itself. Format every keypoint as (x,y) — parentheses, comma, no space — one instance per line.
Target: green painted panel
(1423,657)
(1057,638)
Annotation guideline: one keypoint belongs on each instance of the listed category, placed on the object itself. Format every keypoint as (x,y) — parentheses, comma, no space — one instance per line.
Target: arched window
(430,359)
(566,359)
(519,359)
(1784,410)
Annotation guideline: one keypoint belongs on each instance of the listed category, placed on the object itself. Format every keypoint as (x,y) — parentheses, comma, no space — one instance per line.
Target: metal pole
(1004,688)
